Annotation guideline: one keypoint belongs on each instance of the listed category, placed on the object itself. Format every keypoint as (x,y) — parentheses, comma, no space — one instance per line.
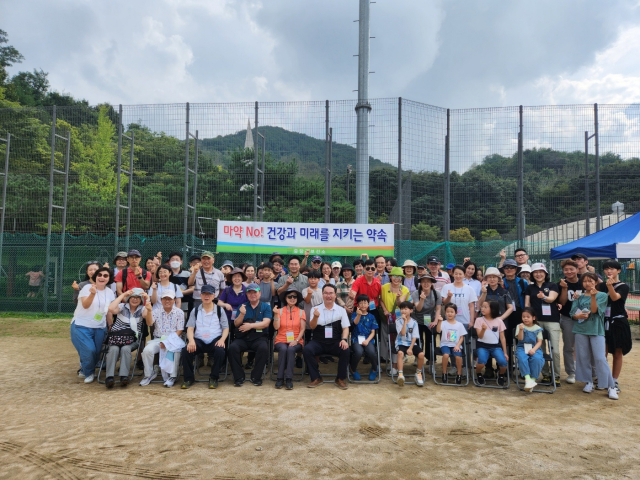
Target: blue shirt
(363,328)
(518,285)
(254,315)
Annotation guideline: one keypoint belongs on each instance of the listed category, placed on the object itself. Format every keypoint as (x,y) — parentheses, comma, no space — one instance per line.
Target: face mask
(175,264)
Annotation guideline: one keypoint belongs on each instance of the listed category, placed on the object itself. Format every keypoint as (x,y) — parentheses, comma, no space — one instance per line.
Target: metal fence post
(4,193)
(327,161)
(586,182)
(195,193)
(597,141)
(186,184)
(520,193)
(50,214)
(255,169)
(400,218)
(447,181)
(64,219)
(118,181)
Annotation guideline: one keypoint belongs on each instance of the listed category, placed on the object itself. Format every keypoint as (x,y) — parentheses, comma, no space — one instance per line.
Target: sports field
(55,427)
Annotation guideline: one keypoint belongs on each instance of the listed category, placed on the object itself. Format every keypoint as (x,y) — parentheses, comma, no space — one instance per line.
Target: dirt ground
(55,427)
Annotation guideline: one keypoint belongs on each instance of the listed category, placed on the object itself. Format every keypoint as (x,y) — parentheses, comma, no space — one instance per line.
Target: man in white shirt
(207,332)
(330,326)
(205,274)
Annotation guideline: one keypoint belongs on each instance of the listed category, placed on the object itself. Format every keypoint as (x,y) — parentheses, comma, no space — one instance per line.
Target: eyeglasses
(509,267)
(370,269)
(521,255)
(105,275)
(396,277)
(292,297)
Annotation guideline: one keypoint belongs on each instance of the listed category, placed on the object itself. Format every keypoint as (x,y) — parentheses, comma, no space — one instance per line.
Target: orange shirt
(290,322)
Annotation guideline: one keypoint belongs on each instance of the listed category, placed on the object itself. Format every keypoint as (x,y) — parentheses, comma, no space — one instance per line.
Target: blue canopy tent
(621,240)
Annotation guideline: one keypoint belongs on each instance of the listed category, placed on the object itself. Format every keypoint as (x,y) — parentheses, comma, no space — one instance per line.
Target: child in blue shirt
(363,338)
(407,342)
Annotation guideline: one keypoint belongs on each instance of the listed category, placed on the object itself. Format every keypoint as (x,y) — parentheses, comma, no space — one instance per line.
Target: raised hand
(541,294)
(563,283)
(243,309)
(276,311)
(92,290)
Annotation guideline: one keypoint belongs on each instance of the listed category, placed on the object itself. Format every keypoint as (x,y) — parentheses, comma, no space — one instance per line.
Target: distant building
(248,142)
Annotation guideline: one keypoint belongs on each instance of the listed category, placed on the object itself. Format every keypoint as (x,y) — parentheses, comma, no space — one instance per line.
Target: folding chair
(377,380)
(394,376)
(272,374)
(435,352)
(489,382)
(548,387)
(102,363)
(223,376)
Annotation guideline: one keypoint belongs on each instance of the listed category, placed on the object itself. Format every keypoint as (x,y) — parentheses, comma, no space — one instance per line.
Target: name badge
(328,331)
(98,317)
(259,331)
(290,337)
(527,347)
(607,312)
(361,339)
(234,314)
(514,305)
(427,318)
(372,305)
(398,313)
(546,310)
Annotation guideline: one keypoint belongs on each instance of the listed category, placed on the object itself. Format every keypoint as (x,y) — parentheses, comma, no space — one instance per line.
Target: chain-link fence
(512,175)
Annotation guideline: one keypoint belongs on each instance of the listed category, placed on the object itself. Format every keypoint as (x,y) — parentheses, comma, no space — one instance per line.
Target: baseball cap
(450,266)
(228,263)
(194,257)
(316,258)
(136,292)
(134,253)
(207,253)
(208,289)
(168,293)
(421,267)
(509,263)
(121,254)
(336,265)
(433,259)
(253,287)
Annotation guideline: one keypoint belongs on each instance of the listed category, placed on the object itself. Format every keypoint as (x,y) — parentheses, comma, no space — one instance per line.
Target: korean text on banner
(344,239)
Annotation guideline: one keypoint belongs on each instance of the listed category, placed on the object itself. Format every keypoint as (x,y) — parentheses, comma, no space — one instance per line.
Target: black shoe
(480,379)
(279,383)
(187,384)
(109,382)
(124,381)
(298,362)
(458,379)
(324,359)
(445,378)
(489,373)
(501,380)
(257,383)
(213,383)
(288,384)
(249,365)
(238,383)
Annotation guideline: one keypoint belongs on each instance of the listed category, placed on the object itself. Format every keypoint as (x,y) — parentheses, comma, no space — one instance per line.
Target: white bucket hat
(538,266)
(526,268)
(492,271)
(410,263)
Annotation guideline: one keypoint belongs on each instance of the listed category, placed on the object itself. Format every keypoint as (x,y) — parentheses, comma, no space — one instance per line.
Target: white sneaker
(419,380)
(169,382)
(529,385)
(588,388)
(147,380)
(90,378)
(394,371)
(80,374)
(613,395)
(400,379)
(571,379)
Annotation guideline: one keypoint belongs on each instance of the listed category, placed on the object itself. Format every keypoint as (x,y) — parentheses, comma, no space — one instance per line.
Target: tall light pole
(362,109)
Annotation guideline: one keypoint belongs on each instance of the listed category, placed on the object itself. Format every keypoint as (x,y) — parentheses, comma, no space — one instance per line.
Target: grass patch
(34,327)
(39,315)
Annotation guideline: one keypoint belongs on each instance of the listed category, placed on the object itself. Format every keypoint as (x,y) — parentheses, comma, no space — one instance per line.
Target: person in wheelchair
(290,323)
(490,328)
(451,341)
(407,342)
(363,338)
(125,334)
(528,349)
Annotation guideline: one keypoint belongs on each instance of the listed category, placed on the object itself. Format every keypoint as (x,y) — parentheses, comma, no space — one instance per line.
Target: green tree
(489,234)
(96,168)
(422,231)
(461,235)
(29,89)
(8,56)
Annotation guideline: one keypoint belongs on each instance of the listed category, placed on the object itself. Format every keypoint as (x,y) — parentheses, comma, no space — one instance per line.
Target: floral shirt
(167,323)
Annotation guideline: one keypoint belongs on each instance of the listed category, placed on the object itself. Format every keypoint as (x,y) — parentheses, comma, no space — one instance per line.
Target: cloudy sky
(452,54)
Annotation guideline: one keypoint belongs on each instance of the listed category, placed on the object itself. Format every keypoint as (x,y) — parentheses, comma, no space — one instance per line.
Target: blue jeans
(88,342)
(449,351)
(496,352)
(529,364)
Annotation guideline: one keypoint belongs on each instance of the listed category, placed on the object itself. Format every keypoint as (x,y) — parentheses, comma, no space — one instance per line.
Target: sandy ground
(55,427)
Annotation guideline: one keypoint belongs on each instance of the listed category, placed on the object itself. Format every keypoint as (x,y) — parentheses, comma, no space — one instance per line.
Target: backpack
(125,274)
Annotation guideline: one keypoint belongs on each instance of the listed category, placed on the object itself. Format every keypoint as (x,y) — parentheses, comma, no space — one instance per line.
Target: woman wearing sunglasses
(89,324)
(290,323)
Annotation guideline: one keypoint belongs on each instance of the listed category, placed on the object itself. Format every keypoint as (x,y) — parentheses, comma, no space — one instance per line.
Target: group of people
(313,311)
